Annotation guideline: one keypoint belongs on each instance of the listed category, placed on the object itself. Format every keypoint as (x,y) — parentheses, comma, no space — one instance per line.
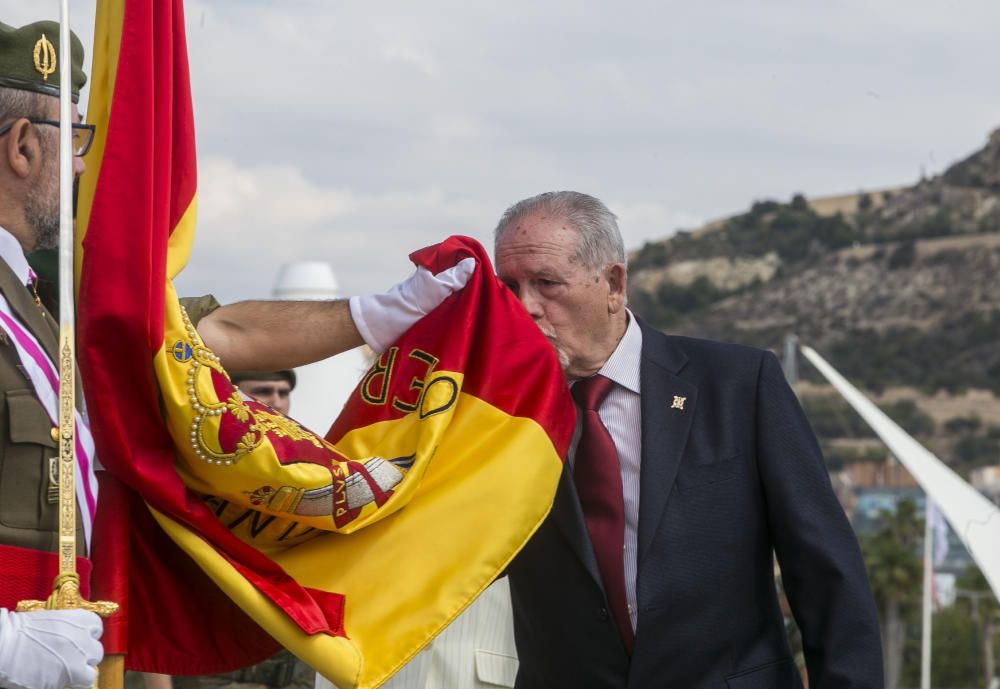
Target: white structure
(974,518)
(322,388)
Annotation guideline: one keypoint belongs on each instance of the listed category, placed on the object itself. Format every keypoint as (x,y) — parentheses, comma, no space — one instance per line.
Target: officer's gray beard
(41,212)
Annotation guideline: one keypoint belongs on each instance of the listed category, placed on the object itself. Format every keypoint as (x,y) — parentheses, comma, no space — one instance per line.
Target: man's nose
(532,304)
(78,166)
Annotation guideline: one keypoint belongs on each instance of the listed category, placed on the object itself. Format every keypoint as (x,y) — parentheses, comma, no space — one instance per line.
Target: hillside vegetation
(896,289)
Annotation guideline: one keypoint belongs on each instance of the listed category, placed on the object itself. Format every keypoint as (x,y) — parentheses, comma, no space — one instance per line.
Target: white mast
(925,637)
(975,520)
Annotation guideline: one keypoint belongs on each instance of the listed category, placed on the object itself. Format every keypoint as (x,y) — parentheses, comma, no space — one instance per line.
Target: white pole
(66,306)
(975,519)
(67,341)
(925,640)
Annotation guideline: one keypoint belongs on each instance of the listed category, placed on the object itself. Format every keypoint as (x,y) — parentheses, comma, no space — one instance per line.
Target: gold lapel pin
(678,403)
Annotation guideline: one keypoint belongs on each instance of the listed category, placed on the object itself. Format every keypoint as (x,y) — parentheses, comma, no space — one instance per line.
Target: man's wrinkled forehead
(542,230)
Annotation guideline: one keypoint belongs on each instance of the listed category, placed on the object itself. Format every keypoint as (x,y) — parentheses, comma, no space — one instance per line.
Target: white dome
(306,280)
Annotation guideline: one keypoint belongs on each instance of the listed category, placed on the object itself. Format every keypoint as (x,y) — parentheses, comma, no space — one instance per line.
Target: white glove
(49,649)
(382,318)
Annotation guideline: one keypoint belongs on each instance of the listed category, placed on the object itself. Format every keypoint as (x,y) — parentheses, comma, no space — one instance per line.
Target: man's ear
(617,278)
(21,148)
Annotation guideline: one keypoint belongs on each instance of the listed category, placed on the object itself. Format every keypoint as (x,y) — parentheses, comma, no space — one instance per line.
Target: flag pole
(925,637)
(66,587)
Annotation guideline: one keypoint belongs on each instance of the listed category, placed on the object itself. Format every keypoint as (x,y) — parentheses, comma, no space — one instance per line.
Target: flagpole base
(111,672)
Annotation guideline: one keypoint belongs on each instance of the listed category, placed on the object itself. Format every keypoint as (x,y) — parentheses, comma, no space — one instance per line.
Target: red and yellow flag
(351,550)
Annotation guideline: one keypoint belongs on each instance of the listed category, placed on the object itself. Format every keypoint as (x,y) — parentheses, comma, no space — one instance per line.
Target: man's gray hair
(599,241)
(16,103)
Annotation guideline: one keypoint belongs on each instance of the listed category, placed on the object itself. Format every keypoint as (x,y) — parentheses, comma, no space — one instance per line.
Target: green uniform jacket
(28,519)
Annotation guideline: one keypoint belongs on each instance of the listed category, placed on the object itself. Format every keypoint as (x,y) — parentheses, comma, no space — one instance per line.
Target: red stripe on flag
(146,183)
(510,336)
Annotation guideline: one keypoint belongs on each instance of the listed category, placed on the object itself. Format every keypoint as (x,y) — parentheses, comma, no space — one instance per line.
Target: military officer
(57,648)
(273,388)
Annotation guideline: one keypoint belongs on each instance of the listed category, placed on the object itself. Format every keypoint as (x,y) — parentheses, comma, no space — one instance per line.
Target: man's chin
(563,358)
(560,353)
(46,235)
(46,243)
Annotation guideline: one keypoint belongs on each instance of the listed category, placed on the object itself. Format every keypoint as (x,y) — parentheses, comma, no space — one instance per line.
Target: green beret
(288,374)
(29,58)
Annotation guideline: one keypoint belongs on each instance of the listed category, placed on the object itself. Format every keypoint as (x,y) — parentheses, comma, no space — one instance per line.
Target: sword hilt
(66,596)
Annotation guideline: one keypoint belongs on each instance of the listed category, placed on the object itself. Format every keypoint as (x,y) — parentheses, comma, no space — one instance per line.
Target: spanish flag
(227,528)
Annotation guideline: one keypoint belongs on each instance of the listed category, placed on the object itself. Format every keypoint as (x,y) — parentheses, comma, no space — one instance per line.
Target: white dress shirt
(12,254)
(621,413)
(43,373)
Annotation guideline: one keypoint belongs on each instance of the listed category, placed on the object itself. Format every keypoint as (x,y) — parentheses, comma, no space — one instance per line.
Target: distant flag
(939,529)
(351,550)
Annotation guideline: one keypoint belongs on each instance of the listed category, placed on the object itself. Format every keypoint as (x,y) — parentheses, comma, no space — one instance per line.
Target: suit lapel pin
(678,403)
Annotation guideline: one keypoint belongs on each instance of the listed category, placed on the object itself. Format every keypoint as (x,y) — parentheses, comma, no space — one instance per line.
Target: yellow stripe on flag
(398,567)
(107,43)
(339,657)
(181,241)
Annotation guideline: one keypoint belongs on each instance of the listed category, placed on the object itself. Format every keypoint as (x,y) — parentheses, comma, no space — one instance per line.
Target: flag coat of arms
(228,529)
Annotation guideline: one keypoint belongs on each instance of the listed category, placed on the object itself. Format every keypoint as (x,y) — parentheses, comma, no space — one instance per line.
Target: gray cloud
(357,132)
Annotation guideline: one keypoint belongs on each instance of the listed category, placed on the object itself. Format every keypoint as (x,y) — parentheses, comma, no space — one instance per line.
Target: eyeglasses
(83,134)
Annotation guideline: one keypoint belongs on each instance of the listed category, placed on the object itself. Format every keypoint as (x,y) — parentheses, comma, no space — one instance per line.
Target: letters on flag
(442,464)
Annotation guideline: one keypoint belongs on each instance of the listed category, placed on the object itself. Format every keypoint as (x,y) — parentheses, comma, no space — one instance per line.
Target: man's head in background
(29,130)
(272,388)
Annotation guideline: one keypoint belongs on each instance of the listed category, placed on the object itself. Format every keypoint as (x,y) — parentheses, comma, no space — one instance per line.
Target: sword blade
(67,321)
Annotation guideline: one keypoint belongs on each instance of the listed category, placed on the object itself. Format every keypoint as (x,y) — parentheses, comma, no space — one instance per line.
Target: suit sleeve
(822,570)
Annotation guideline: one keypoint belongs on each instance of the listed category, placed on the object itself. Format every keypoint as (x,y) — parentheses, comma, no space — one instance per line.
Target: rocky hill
(897,289)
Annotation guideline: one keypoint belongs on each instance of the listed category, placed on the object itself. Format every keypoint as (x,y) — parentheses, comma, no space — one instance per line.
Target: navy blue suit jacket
(731,478)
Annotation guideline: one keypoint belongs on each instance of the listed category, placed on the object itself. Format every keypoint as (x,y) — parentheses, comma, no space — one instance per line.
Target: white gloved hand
(382,318)
(49,649)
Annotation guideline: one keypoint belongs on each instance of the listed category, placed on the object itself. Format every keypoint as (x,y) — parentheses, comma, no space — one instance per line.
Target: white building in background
(321,388)
(987,481)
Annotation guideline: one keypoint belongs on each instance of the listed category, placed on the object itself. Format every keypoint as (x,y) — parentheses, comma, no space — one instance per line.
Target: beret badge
(45,57)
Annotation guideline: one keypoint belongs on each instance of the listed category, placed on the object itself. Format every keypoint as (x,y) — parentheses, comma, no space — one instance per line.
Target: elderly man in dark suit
(693,465)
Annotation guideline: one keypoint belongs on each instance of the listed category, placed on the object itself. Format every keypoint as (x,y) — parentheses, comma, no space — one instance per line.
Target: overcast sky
(355,132)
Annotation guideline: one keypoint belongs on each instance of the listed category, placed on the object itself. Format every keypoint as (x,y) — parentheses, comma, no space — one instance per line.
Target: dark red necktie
(598,479)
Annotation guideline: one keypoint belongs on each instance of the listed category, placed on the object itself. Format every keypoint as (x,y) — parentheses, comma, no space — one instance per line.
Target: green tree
(903,256)
(977,450)
(907,414)
(980,606)
(894,568)
(953,656)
